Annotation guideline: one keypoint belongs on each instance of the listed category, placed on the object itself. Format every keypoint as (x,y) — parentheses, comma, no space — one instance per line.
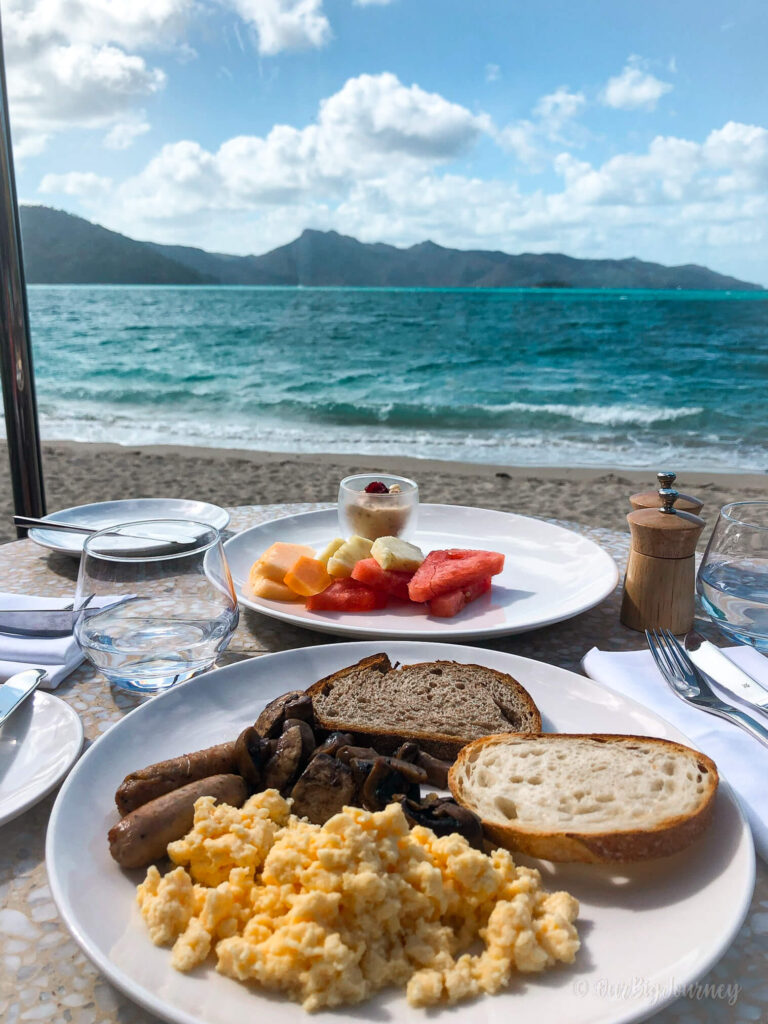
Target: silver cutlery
(14,691)
(691,686)
(28,522)
(41,623)
(721,670)
(51,524)
(52,623)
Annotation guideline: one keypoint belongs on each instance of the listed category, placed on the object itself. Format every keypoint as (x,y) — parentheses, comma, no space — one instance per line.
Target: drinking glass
(733,578)
(156,602)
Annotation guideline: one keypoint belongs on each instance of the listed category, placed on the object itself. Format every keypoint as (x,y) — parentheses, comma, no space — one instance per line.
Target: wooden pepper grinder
(660,580)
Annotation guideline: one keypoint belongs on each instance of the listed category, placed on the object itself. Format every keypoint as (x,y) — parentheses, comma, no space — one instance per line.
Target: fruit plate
(550,574)
(648,930)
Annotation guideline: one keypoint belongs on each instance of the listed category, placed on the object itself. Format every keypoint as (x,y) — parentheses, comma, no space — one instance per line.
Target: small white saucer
(102,514)
(38,745)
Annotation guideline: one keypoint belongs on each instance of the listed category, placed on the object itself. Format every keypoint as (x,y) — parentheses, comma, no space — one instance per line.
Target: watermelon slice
(452,569)
(447,605)
(369,571)
(347,595)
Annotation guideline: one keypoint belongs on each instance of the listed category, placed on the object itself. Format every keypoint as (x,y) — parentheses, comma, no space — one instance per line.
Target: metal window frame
(18,377)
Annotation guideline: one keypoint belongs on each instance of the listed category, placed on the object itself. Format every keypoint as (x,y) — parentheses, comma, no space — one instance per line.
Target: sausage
(140,787)
(143,835)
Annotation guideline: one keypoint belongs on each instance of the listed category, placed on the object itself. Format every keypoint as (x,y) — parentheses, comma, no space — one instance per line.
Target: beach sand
(77,473)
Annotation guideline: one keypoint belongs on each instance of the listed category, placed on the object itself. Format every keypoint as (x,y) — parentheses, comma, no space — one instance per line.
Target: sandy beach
(77,473)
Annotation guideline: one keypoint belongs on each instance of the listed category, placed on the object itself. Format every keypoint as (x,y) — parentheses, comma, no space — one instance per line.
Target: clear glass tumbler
(156,602)
(733,578)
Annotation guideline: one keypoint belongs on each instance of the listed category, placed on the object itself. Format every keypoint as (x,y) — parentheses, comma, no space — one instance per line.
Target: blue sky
(592,128)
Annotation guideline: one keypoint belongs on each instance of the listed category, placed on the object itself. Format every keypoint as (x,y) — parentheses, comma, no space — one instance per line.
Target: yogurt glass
(378,515)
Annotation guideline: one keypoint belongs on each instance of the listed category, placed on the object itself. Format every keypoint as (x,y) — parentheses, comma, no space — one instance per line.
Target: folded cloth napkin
(58,657)
(742,760)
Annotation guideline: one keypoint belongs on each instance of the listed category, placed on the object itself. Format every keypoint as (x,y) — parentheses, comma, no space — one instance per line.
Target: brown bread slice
(594,798)
(442,705)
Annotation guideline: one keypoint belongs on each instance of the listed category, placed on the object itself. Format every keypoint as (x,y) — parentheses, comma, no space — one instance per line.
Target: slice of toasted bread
(441,705)
(595,798)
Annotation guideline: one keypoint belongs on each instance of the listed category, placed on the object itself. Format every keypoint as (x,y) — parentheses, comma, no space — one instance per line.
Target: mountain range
(61,248)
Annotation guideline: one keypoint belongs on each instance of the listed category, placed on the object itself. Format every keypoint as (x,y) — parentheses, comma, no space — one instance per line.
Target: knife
(15,690)
(41,623)
(725,673)
(53,623)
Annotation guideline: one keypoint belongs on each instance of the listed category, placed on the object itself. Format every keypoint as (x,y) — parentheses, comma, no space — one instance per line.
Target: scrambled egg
(330,914)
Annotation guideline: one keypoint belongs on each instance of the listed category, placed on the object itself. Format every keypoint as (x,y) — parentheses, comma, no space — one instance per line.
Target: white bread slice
(594,798)
(440,704)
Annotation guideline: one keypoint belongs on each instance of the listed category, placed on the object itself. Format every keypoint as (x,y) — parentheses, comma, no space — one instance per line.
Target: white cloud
(75,183)
(492,72)
(371,126)
(552,121)
(68,62)
(285,24)
(123,134)
(634,89)
(558,107)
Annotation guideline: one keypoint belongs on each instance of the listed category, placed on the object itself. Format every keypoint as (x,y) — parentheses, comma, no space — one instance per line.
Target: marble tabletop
(43,974)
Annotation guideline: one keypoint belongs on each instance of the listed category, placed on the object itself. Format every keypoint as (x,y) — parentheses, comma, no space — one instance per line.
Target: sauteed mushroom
(386,778)
(293,751)
(444,816)
(251,755)
(270,721)
(300,707)
(324,788)
(333,742)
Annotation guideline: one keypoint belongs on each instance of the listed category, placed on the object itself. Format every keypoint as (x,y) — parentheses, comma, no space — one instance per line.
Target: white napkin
(742,760)
(58,657)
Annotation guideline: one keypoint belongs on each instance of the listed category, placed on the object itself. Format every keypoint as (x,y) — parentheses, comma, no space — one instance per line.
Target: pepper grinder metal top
(650,499)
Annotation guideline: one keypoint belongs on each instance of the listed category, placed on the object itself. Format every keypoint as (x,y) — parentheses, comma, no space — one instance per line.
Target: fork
(689,684)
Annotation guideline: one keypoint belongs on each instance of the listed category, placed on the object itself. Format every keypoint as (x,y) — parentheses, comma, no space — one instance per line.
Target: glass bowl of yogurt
(378,506)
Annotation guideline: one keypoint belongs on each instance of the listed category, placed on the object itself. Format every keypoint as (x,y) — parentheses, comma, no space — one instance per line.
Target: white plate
(550,574)
(102,514)
(38,745)
(665,922)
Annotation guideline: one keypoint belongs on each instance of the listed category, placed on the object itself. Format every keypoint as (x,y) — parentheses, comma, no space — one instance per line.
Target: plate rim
(150,1002)
(34,532)
(353,631)
(45,696)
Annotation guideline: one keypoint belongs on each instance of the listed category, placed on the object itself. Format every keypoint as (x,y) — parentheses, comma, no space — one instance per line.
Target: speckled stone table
(43,974)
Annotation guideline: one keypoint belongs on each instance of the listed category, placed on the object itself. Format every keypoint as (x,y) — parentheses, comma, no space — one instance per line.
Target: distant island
(60,248)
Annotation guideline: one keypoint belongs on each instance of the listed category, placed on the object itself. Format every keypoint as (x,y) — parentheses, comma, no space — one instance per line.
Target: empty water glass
(733,578)
(156,602)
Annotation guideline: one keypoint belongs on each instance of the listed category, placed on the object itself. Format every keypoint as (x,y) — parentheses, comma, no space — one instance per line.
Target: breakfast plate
(664,922)
(39,743)
(550,574)
(102,514)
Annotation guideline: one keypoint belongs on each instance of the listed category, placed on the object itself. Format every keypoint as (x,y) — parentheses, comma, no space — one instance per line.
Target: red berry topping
(376,487)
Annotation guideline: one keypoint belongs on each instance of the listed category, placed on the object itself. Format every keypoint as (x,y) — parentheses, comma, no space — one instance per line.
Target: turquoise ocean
(539,377)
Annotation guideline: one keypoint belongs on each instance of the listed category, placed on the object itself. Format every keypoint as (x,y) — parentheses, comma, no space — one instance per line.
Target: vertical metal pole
(22,432)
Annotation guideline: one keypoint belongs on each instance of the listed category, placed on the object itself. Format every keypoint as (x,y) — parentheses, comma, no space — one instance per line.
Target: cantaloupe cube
(308,577)
(348,555)
(270,590)
(330,550)
(278,559)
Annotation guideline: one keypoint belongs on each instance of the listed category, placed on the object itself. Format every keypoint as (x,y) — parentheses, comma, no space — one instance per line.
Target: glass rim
(110,530)
(345,483)
(725,512)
